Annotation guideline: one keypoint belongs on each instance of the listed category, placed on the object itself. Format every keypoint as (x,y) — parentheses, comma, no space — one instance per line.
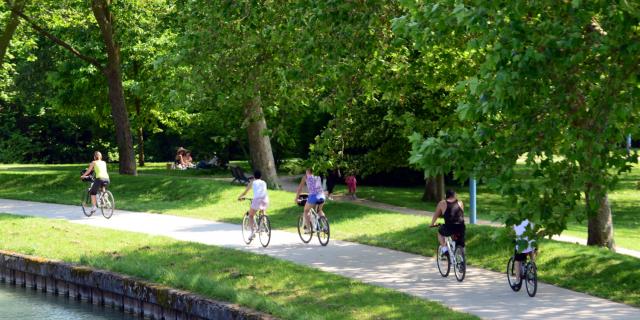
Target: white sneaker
(443,250)
(252,235)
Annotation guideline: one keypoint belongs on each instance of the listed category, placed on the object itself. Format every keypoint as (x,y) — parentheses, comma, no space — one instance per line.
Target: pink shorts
(260,203)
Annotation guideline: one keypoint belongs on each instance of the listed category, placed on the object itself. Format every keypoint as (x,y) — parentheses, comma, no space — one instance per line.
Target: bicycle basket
(302,199)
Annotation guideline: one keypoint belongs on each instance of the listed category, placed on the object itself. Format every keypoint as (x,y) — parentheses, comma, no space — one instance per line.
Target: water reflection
(25,303)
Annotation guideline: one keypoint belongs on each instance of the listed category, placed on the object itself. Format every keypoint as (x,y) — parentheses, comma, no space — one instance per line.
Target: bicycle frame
(451,246)
(258,214)
(313,217)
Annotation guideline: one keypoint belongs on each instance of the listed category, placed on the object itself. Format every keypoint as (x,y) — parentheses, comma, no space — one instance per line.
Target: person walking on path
(351,182)
(453,212)
(102,177)
(332,179)
(260,198)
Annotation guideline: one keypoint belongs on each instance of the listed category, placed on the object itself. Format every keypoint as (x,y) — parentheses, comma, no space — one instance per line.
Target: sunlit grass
(624,201)
(216,200)
(281,288)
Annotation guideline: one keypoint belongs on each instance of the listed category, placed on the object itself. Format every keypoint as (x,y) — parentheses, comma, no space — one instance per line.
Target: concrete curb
(115,290)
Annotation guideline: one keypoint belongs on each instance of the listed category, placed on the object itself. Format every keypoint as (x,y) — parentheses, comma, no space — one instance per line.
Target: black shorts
(456,231)
(521,256)
(96,185)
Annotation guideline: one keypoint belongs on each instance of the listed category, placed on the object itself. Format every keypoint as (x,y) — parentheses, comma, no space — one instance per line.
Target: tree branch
(58,41)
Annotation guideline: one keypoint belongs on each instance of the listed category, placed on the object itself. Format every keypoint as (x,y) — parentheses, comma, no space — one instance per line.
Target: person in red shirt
(351,182)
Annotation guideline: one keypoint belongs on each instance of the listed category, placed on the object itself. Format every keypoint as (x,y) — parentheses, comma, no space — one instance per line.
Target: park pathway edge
(483,293)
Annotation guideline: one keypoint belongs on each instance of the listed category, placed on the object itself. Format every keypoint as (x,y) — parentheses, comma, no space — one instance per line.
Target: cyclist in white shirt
(521,253)
(260,198)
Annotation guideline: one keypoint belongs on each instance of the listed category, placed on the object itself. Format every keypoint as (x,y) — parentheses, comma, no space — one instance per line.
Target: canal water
(25,303)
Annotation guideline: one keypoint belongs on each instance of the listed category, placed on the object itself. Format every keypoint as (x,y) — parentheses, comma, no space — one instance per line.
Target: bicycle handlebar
(245,198)
(435,225)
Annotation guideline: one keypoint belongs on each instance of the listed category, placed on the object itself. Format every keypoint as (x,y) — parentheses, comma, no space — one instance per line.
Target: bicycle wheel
(246,229)
(86,203)
(107,204)
(460,267)
(511,275)
(323,231)
(531,279)
(264,229)
(305,237)
(443,261)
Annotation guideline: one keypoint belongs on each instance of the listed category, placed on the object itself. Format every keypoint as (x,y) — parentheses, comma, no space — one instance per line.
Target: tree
(10,28)
(397,90)
(238,57)
(116,91)
(112,73)
(555,83)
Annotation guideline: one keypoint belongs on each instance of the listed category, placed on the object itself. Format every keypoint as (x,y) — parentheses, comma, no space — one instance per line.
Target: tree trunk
(140,133)
(10,29)
(259,143)
(434,189)
(116,92)
(601,226)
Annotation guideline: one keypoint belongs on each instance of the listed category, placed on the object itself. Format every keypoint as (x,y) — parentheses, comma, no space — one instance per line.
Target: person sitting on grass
(260,198)
(316,196)
(180,162)
(102,177)
(188,160)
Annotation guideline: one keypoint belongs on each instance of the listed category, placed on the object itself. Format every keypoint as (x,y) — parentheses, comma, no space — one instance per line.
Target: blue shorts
(315,199)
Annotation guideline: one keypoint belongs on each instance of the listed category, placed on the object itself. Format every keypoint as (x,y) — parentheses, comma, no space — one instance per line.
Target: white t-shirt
(520,230)
(259,188)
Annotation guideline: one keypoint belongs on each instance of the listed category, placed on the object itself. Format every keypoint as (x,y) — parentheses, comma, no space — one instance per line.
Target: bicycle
(445,260)
(319,224)
(261,220)
(104,199)
(528,271)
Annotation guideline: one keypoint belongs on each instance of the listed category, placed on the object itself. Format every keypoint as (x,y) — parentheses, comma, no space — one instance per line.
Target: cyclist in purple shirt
(316,195)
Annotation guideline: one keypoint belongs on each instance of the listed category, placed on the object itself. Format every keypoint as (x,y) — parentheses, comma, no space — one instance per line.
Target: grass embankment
(281,288)
(590,270)
(624,203)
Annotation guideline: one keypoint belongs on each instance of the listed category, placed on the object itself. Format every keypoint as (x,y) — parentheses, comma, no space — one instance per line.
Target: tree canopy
(554,85)
(482,88)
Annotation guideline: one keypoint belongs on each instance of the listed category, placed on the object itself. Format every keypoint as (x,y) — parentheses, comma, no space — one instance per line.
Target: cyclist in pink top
(316,194)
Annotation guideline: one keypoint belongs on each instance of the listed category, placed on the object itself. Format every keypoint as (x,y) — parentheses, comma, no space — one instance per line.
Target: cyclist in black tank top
(452,210)
(454,214)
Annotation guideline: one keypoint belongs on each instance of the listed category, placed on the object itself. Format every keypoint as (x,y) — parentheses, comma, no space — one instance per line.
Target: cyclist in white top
(521,239)
(102,177)
(260,197)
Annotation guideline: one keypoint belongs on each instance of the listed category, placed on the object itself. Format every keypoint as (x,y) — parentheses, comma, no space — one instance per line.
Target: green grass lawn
(281,288)
(591,270)
(624,201)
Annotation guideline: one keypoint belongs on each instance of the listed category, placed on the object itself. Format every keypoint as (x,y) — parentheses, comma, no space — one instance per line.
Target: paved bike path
(290,183)
(483,293)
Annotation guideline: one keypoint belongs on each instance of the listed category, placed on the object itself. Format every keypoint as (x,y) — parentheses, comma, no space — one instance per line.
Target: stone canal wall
(115,290)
